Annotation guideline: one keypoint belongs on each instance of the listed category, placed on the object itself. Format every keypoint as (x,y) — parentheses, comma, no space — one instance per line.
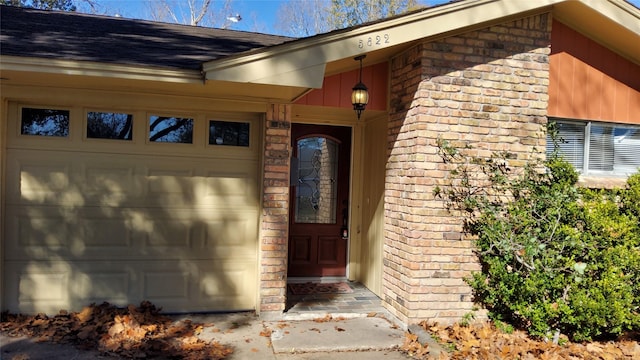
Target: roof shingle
(82,37)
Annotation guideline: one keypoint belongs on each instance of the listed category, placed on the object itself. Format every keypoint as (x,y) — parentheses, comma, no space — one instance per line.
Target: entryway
(359,301)
(319,203)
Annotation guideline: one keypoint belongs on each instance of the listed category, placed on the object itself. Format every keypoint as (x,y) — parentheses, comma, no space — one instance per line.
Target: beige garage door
(92,220)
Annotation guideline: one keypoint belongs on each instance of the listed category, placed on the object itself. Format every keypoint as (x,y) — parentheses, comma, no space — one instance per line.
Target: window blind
(601,149)
(626,142)
(606,148)
(570,143)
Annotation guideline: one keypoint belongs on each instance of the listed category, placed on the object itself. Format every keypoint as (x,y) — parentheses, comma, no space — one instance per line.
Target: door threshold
(317,279)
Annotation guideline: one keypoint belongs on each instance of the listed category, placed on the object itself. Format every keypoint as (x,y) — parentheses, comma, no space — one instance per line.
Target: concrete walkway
(357,334)
(354,338)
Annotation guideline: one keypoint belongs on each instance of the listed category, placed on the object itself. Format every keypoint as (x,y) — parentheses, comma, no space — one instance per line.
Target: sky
(257,15)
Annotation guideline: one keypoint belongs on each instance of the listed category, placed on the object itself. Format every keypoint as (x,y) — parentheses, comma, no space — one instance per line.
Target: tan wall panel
(83,179)
(45,234)
(373,204)
(176,286)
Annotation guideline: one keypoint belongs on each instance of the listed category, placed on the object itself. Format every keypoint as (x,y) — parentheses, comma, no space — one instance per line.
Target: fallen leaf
(327,318)
(131,332)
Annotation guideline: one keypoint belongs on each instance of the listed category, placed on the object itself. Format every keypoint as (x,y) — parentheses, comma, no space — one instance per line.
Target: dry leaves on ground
(132,332)
(484,341)
(329,318)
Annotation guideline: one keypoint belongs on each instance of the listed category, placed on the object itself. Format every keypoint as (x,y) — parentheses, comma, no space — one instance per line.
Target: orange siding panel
(588,81)
(607,98)
(634,108)
(620,108)
(316,96)
(578,90)
(331,97)
(554,83)
(593,89)
(379,82)
(336,89)
(347,80)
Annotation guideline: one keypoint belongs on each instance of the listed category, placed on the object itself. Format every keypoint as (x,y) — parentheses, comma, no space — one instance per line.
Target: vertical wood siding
(588,81)
(336,90)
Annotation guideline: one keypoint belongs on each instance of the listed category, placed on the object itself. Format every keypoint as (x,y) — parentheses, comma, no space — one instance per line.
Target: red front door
(319,200)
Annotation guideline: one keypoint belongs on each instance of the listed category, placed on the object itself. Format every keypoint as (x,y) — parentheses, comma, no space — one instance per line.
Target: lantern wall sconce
(359,94)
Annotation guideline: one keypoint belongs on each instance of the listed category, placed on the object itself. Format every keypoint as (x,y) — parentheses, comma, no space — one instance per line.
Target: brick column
(275,209)
(487,88)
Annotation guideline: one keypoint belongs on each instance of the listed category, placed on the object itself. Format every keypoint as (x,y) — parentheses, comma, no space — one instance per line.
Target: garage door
(129,218)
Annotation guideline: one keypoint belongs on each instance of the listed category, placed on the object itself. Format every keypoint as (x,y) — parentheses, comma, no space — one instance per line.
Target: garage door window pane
(104,125)
(228,133)
(170,129)
(45,122)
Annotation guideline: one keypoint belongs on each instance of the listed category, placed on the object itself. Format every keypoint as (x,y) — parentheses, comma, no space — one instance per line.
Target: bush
(555,258)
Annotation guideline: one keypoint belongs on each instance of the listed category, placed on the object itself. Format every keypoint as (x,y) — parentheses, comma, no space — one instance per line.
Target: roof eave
(615,24)
(302,62)
(85,68)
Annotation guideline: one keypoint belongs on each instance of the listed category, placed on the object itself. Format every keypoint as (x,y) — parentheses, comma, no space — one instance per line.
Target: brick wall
(275,209)
(487,88)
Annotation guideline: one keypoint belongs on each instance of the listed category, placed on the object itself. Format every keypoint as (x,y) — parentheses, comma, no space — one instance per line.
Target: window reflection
(228,133)
(45,122)
(104,125)
(170,129)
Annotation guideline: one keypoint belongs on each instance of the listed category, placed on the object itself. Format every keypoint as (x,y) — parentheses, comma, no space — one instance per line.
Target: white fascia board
(298,63)
(66,67)
(623,13)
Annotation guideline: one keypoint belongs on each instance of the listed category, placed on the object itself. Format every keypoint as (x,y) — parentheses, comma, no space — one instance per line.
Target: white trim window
(595,148)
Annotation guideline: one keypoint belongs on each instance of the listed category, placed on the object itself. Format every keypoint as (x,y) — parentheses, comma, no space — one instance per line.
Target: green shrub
(554,257)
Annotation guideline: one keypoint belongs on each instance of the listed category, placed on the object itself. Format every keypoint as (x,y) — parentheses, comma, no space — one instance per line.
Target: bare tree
(309,17)
(209,13)
(303,18)
(65,5)
(347,13)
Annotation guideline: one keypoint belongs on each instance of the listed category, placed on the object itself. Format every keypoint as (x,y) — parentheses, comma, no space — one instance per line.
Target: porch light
(359,95)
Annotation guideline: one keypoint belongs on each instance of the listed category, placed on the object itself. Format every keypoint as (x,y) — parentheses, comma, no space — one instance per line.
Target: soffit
(614,24)
(256,93)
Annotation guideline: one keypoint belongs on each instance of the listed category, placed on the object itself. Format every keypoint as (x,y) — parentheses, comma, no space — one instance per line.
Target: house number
(374,41)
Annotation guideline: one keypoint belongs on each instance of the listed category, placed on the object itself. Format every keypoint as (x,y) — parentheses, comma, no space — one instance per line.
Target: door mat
(320,288)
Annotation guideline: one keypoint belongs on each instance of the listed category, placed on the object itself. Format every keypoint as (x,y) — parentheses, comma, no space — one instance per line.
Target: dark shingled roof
(81,37)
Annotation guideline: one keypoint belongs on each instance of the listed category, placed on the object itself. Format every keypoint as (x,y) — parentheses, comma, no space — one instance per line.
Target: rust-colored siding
(588,81)
(336,90)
